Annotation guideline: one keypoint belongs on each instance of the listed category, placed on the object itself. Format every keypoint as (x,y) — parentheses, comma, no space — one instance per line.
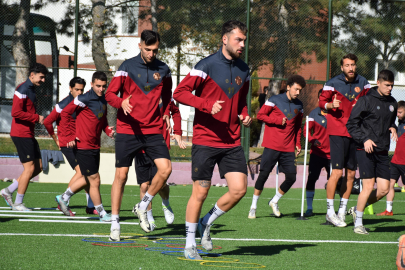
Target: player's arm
(167,91)
(74,106)
(298,129)
(183,92)
(242,106)
(393,127)
(114,88)
(328,99)
(177,126)
(17,110)
(49,120)
(109,130)
(265,114)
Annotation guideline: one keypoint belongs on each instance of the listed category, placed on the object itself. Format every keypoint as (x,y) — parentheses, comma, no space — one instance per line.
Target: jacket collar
(139,60)
(223,58)
(29,83)
(373,92)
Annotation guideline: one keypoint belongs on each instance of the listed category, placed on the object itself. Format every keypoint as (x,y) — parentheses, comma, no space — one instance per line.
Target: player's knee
(201,195)
(238,193)
(336,174)
(144,187)
(165,172)
(121,176)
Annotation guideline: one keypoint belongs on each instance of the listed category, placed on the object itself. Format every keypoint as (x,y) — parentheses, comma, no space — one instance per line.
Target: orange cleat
(386,213)
(401,256)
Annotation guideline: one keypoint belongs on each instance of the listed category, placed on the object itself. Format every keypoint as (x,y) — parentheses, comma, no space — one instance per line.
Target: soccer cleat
(106,218)
(20,207)
(352,211)
(252,213)
(192,254)
(308,213)
(204,231)
(91,211)
(400,256)
(63,205)
(152,226)
(342,216)
(8,197)
(386,213)
(360,230)
(70,211)
(115,235)
(274,206)
(169,216)
(335,220)
(143,218)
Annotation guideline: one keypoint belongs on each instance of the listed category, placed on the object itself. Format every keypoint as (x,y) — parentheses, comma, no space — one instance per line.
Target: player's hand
(71,144)
(369,146)
(179,140)
(247,121)
(57,143)
(336,102)
(41,119)
(298,151)
(394,135)
(169,126)
(284,121)
(216,108)
(126,106)
(111,133)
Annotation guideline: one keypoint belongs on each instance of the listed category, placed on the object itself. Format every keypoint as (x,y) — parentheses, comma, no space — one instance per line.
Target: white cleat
(252,213)
(274,207)
(335,220)
(115,235)
(169,216)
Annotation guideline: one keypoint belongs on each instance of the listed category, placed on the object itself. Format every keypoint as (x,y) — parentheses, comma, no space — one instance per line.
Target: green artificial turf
(242,239)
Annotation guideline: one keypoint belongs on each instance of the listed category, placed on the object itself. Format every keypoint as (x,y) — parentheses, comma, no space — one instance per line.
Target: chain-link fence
(285,38)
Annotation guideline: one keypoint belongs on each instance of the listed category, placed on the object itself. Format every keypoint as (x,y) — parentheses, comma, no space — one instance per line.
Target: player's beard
(234,54)
(348,76)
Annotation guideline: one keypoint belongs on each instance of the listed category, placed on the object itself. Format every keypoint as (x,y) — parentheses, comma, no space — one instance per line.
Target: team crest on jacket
(357,89)
(156,76)
(100,114)
(391,108)
(147,88)
(238,80)
(295,111)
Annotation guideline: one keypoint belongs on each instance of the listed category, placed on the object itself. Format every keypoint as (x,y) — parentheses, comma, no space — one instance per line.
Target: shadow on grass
(397,229)
(265,250)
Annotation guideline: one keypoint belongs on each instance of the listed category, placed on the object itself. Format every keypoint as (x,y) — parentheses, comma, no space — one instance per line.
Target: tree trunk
(153,12)
(100,60)
(20,40)
(281,43)
(178,63)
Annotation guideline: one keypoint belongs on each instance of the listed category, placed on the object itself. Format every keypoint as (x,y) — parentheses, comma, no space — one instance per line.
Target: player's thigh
(27,149)
(337,152)
(203,160)
(89,161)
(70,155)
(315,166)
(156,149)
(383,166)
(143,167)
(126,147)
(350,156)
(366,164)
(237,182)
(269,159)
(232,160)
(287,162)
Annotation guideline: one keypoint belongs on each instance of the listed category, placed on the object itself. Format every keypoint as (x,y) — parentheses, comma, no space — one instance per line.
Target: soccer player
(398,160)
(320,151)
(145,168)
(338,97)
(282,114)
(221,83)
(67,132)
(24,116)
(370,124)
(141,83)
(91,118)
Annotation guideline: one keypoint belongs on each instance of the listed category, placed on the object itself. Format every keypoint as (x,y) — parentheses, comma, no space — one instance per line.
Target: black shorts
(373,165)
(70,155)
(27,149)
(342,153)
(127,146)
(204,158)
(145,168)
(89,161)
(286,161)
(398,170)
(316,163)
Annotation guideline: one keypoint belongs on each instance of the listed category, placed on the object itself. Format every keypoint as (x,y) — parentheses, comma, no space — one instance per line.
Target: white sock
(13,187)
(100,210)
(343,206)
(165,202)
(143,205)
(68,193)
(150,216)
(191,228)
(331,208)
(389,206)
(19,198)
(90,203)
(212,215)
(359,219)
(115,222)
(276,197)
(310,198)
(254,201)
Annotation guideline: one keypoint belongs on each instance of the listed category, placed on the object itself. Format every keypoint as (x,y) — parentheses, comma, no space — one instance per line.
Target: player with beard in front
(338,97)
(397,161)
(221,83)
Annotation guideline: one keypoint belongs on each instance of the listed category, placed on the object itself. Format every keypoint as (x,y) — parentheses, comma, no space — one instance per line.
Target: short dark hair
(265,89)
(296,79)
(233,24)
(386,75)
(401,104)
(38,68)
(77,80)
(349,56)
(150,37)
(99,75)
(320,92)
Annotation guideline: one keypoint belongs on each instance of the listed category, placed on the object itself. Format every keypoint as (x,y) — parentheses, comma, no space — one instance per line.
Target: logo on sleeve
(391,108)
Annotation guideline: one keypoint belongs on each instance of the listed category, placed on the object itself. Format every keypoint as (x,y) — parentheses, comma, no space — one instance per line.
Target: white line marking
(74,221)
(37,208)
(220,239)
(35,216)
(33,212)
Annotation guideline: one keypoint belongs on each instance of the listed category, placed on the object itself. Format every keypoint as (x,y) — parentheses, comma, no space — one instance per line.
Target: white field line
(36,216)
(219,239)
(33,212)
(36,208)
(75,221)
